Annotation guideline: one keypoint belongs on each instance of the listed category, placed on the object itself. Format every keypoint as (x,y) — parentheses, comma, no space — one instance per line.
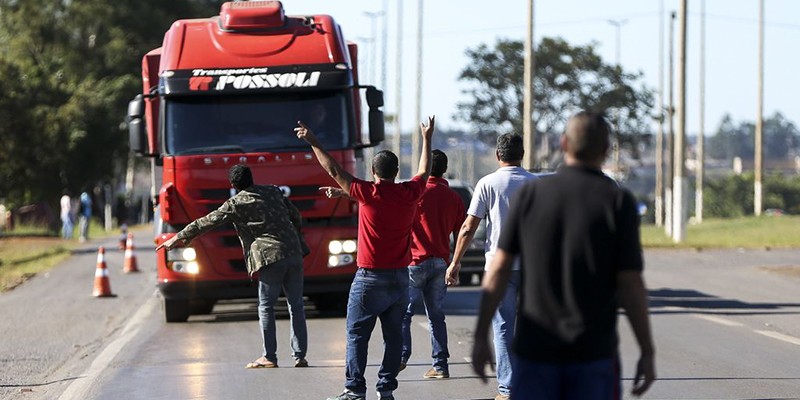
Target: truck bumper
(243,289)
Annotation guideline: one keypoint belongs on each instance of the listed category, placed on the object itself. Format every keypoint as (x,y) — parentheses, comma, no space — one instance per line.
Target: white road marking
(79,388)
(718,320)
(424,325)
(780,336)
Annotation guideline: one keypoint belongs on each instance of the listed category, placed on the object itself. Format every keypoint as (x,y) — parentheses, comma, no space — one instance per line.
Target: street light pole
(396,148)
(680,183)
(759,156)
(528,125)
(618,24)
(415,135)
(701,138)
(668,197)
(659,198)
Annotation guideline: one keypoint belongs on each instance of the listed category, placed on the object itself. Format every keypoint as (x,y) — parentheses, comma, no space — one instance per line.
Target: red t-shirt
(440,213)
(385,217)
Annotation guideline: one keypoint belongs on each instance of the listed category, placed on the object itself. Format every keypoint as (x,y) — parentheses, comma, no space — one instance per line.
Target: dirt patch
(788,270)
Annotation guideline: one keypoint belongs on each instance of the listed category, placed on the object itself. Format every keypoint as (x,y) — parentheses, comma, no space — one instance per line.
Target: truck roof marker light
(342,66)
(167,74)
(251,15)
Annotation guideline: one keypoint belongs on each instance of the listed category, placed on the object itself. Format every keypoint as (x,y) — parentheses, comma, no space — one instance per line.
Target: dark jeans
(590,380)
(375,293)
(427,281)
(286,274)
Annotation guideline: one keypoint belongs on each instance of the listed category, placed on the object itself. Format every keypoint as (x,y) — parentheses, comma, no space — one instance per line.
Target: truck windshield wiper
(213,149)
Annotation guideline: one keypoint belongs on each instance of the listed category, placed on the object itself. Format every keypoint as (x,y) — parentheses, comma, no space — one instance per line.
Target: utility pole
(528,125)
(384,43)
(659,200)
(680,184)
(618,24)
(701,135)
(415,135)
(668,197)
(398,87)
(759,156)
(373,68)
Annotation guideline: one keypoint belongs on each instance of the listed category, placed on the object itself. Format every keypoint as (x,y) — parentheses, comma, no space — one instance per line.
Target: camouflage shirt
(266,221)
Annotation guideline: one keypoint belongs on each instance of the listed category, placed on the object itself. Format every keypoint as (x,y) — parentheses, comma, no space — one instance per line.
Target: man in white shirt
(491,201)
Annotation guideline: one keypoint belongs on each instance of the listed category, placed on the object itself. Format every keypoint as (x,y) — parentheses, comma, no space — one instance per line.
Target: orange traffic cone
(102,287)
(130,259)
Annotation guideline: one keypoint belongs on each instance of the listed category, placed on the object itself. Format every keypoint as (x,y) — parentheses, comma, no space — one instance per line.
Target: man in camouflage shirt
(268,225)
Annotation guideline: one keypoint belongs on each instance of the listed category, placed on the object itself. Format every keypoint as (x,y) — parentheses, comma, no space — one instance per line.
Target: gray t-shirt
(490,200)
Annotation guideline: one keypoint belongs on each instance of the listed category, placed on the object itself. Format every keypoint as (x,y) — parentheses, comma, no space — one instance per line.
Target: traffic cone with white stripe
(130,264)
(102,287)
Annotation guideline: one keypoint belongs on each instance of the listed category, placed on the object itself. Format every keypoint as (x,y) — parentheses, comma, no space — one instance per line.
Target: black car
(474,258)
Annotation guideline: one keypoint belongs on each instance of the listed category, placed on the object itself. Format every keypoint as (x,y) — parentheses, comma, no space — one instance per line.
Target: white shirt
(66,206)
(492,194)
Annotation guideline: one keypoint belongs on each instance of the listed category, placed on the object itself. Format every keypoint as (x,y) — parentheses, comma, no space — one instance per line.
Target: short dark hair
(240,176)
(438,163)
(509,147)
(588,136)
(385,164)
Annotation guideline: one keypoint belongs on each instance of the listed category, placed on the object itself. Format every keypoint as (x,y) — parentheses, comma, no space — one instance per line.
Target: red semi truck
(230,89)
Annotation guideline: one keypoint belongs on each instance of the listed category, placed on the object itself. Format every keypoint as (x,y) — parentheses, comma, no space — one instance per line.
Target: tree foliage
(781,139)
(567,79)
(733,196)
(68,69)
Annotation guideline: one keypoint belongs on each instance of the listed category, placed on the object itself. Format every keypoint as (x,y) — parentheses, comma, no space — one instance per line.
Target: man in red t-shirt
(440,214)
(380,286)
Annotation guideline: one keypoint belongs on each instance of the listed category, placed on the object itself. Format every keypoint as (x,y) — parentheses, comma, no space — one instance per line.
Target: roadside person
(491,201)
(84,215)
(66,216)
(440,213)
(380,286)
(577,233)
(268,225)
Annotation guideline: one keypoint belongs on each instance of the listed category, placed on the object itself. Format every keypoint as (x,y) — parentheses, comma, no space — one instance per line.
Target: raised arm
(331,166)
(424,169)
(463,240)
(633,299)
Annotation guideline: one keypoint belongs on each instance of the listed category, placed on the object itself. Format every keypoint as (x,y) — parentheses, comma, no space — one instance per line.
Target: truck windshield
(261,123)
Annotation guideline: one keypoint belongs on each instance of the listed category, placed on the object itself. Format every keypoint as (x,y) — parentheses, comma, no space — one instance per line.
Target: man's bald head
(587,137)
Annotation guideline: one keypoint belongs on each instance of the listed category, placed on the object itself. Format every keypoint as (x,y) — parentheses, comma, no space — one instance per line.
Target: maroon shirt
(439,214)
(385,216)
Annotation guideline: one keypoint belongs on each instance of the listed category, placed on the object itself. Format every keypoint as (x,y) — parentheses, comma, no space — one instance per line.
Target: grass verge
(28,250)
(745,232)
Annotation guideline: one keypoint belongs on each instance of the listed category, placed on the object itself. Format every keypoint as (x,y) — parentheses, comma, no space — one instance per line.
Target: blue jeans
(288,274)
(375,293)
(590,380)
(66,226)
(503,330)
(427,280)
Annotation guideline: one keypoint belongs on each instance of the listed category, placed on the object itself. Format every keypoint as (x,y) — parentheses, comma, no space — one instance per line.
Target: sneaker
(301,363)
(348,395)
(433,373)
(501,396)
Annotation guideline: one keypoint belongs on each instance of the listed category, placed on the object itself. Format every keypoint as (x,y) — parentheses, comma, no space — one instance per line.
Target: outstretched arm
(633,299)
(331,166)
(199,226)
(425,157)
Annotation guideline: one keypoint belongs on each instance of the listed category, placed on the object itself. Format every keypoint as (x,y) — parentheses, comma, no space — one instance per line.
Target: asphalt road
(724,322)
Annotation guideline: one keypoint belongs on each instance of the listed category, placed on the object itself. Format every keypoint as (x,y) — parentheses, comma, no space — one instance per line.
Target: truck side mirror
(376,124)
(136,128)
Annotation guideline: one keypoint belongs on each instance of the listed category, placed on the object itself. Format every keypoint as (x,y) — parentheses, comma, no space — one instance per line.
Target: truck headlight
(341,252)
(183,259)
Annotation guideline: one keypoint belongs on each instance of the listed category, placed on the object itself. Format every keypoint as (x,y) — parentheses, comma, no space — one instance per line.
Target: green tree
(68,69)
(567,79)
(781,139)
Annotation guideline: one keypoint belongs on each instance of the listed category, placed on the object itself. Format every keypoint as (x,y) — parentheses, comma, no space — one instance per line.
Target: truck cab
(230,89)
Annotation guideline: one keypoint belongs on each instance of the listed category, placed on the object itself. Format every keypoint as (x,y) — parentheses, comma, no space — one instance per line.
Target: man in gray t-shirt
(491,201)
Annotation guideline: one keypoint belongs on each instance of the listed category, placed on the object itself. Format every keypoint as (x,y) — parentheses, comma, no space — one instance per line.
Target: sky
(452,26)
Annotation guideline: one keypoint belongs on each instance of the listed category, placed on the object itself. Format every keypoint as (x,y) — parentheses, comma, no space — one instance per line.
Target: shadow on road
(677,301)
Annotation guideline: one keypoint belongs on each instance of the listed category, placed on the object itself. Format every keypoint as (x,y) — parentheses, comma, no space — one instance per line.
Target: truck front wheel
(176,310)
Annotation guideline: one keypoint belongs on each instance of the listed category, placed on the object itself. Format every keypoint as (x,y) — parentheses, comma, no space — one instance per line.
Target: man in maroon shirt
(380,286)
(440,213)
